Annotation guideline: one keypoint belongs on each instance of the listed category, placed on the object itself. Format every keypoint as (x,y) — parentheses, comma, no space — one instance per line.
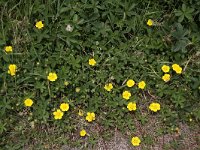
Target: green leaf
(184,7)
(6,58)
(75,18)
(180,19)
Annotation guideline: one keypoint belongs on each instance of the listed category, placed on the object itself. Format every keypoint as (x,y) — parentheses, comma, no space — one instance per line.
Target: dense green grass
(113,32)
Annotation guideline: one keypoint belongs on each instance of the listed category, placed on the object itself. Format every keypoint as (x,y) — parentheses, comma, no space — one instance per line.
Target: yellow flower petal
(58,114)
(130,83)
(126,95)
(8,49)
(177,68)
(52,76)
(135,141)
(64,106)
(141,85)
(108,87)
(154,107)
(12,69)
(165,68)
(90,116)
(92,62)
(150,22)
(83,132)
(39,25)
(166,77)
(28,102)
(131,106)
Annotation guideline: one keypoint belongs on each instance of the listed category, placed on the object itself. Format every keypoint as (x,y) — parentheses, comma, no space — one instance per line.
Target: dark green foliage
(115,34)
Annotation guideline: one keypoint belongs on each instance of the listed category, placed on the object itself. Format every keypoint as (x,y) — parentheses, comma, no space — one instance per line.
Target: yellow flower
(150,22)
(12,69)
(130,83)
(135,141)
(58,114)
(90,116)
(141,85)
(80,112)
(131,106)
(77,90)
(177,68)
(165,68)
(28,102)
(8,49)
(154,107)
(108,87)
(66,83)
(177,130)
(126,95)
(52,76)
(166,77)
(39,25)
(92,62)
(64,106)
(83,132)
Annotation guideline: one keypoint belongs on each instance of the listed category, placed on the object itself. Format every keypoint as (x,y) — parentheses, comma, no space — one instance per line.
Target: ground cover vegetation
(69,65)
